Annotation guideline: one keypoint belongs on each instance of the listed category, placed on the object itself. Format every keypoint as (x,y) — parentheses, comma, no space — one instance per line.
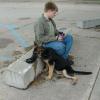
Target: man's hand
(60,36)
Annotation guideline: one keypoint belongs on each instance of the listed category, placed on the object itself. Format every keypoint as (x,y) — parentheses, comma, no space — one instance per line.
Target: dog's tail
(82,72)
(70,70)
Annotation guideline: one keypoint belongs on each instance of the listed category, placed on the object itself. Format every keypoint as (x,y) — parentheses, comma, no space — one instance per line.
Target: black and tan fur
(54,61)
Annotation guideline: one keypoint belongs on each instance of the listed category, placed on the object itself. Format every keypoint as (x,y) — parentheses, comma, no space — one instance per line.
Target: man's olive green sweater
(43,31)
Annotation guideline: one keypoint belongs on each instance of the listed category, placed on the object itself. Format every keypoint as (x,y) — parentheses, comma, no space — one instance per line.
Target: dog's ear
(35,44)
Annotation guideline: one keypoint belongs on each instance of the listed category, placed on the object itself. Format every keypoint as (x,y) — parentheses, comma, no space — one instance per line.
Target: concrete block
(20,74)
(88,23)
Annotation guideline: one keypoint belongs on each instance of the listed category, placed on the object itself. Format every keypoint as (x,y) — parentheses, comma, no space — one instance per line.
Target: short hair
(50,6)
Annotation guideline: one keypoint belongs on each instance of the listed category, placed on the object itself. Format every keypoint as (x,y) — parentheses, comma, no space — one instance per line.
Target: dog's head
(38,50)
(41,52)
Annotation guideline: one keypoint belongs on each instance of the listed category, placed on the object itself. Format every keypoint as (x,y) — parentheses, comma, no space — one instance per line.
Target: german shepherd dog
(56,62)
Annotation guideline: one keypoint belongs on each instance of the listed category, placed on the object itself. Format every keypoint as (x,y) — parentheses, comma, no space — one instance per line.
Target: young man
(45,27)
(46,31)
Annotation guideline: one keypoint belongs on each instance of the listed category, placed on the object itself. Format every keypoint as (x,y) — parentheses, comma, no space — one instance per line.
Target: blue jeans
(61,47)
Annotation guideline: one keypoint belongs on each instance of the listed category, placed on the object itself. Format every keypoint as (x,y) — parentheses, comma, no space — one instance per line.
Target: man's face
(51,14)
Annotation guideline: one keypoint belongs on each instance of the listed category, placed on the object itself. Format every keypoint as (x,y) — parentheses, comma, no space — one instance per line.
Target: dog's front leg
(50,73)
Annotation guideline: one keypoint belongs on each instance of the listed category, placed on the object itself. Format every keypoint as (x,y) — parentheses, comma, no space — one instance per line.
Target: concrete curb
(88,23)
(19,74)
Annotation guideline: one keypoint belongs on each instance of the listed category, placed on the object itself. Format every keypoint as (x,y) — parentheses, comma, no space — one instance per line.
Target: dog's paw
(48,78)
(74,81)
(71,57)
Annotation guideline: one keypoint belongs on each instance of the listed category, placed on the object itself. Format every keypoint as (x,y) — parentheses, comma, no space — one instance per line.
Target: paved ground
(17,20)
